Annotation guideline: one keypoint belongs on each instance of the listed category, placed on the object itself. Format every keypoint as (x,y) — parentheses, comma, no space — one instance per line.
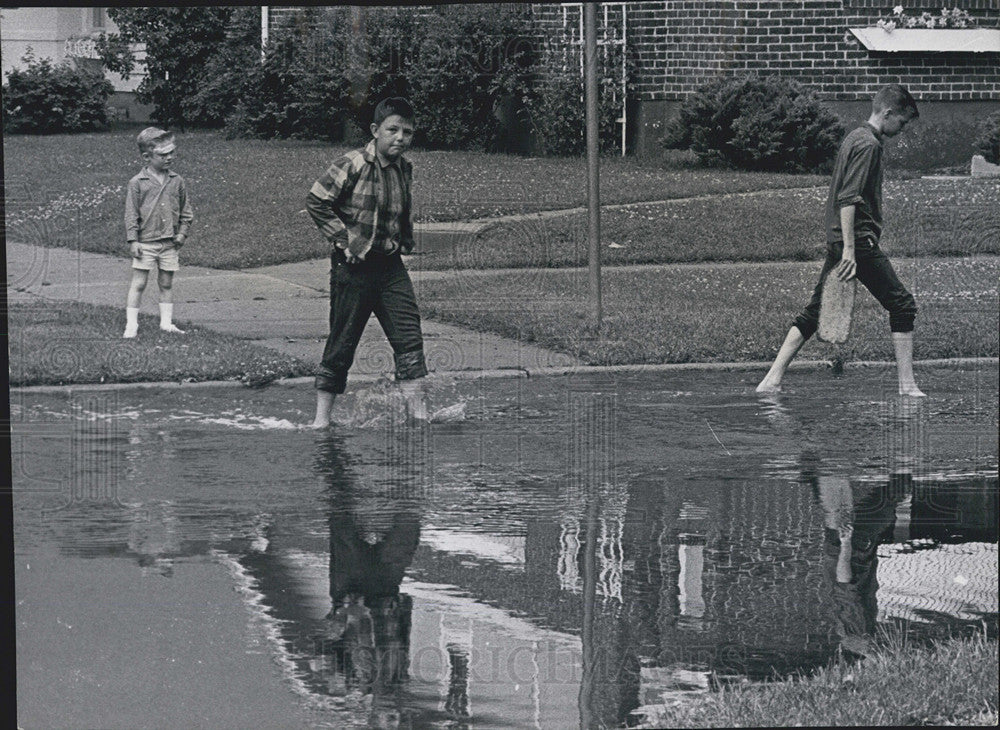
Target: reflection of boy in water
(856,523)
(372,541)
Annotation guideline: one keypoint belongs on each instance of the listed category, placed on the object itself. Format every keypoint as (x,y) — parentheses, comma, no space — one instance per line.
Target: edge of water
(512,373)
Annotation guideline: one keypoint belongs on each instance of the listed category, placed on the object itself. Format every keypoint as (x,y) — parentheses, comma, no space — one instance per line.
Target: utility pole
(593,161)
(265,16)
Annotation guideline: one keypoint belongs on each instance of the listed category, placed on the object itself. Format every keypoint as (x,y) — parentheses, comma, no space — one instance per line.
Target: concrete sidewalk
(283,307)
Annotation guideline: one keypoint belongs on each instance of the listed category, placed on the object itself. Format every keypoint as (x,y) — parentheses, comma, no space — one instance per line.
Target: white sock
(131,318)
(166,314)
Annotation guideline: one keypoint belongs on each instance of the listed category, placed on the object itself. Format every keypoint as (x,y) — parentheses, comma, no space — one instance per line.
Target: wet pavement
(547,552)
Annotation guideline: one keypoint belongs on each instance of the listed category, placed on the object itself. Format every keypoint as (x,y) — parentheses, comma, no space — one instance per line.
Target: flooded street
(546,553)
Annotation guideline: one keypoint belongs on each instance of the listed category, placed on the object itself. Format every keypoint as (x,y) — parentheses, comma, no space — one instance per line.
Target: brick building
(678,44)
(675,45)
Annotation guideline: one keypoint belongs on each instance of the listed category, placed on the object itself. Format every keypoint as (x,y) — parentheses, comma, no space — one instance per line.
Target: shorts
(163,253)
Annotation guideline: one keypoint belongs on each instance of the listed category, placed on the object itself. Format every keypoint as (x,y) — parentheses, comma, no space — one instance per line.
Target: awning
(952,40)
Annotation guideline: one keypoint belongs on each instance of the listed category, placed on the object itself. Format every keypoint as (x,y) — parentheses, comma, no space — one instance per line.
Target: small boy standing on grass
(362,206)
(157,218)
(853,229)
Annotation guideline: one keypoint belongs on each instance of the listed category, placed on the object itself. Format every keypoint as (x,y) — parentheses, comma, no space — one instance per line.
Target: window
(97,17)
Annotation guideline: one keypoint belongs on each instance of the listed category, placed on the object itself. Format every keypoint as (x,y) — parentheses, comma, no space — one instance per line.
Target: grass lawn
(715,313)
(924,217)
(249,195)
(952,682)
(69,342)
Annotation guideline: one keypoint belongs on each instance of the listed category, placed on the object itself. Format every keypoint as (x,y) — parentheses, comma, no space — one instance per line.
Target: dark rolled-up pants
(379,284)
(875,271)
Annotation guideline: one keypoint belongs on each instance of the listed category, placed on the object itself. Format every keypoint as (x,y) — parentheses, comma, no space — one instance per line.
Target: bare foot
(324,407)
(912,391)
(130,332)
(414,399)
(768,387)
(417,409)
(172,328)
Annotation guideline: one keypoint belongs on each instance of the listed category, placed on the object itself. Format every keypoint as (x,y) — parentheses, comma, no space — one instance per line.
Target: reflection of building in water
(719,581)
(726,580)
(610,549)
(691,556)
(901,549)
(592,470)
(942,558)
(568,565)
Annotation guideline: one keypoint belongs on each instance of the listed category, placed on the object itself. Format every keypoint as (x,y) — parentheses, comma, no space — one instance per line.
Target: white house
(67,34)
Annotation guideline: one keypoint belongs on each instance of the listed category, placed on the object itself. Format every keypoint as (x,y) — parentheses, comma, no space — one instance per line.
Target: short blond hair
(152,137)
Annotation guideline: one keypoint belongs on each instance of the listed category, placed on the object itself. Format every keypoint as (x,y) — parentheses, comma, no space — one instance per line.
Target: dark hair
(393,105)
(896,98)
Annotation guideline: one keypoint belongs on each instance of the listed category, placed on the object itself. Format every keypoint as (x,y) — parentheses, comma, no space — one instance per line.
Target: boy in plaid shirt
(362,206)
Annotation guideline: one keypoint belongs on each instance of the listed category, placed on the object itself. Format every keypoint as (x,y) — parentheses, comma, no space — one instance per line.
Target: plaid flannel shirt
(346,200)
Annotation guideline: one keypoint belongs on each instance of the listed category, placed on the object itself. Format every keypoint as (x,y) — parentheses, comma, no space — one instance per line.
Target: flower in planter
(954,18)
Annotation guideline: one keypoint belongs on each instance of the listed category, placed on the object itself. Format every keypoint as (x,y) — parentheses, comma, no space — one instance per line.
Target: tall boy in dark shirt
(853,228)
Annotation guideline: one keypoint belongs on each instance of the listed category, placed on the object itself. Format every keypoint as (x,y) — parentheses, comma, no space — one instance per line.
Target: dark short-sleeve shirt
(857,181)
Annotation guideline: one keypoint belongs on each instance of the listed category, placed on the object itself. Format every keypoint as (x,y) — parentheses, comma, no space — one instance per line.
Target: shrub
(756,123)
(558,115)
(301,89)
(928,144)
(464,59)
(44,98)
(322,76)
(988,141)
(226,72)
(556,102)
(180,43)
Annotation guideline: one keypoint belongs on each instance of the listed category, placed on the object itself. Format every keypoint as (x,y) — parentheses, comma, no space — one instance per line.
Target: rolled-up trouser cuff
(806,326)
(902,321)
(410,365)
(331,382)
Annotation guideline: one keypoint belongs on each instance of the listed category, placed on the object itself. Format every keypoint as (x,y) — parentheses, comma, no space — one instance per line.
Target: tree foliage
(472,72)
(464,64)
(301,89)
(180,43)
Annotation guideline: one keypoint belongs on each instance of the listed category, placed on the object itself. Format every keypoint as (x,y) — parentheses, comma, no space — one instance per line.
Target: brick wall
(677,44)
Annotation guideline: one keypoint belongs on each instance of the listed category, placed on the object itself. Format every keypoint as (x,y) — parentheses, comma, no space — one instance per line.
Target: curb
(514,373)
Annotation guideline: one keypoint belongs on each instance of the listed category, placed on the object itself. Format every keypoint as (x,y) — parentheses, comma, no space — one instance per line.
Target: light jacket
(154,211)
